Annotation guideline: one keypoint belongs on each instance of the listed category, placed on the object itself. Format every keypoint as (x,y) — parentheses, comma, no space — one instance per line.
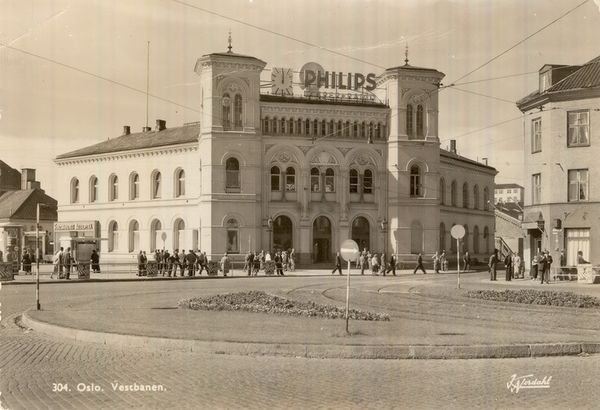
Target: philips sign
(313,76)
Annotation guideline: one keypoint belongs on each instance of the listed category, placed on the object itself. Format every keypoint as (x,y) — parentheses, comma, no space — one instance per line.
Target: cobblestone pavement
(31,364)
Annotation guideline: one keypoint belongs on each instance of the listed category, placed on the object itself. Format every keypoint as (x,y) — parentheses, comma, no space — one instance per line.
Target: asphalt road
(38,371)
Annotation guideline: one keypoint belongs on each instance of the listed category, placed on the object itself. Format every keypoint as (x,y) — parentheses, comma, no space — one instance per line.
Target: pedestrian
(563,258)
(190,259)
(166,261)
(338,264)
(362,261)
(95,259)
(68,260)
(443,260)
(225,264)
(284,260)
(436,263)
(534,267)
(517,266)
(182,262)
(419,265)
(278,263)
(26,263)
(267,257)
(492,265)
(140,260)
(292,260)
(173,263)
(547,268)
(541,265)
(201,262)
(374,265)
(257,263)
(392,265)
(57,269)
(467,261)
(580,259)
(158,260)
(508,266)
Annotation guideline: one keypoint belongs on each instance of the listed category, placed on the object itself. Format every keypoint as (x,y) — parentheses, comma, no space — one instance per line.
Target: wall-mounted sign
(86,226)
(312,76)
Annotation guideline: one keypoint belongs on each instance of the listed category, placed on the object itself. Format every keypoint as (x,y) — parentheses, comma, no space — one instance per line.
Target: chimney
(146,129)
(27,176)
(126,130)
(453,146)
(484,159)
(161,125)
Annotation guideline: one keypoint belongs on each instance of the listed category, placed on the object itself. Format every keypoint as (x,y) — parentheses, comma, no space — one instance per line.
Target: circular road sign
(457,231)
(349,250)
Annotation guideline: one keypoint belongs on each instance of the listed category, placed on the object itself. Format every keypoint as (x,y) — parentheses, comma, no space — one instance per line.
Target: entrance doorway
(282,233)
(321,250)
(361,233)
(535,236)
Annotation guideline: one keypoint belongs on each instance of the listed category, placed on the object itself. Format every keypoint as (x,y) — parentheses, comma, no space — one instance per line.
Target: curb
(316,351)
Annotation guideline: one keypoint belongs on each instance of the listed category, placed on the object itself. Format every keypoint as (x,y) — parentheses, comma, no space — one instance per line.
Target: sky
(48,108)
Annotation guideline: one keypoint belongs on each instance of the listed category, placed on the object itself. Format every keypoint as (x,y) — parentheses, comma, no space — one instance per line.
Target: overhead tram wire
(483,95)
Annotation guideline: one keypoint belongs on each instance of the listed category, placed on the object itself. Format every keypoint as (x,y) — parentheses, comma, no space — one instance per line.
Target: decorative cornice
(114,156)
(319,113)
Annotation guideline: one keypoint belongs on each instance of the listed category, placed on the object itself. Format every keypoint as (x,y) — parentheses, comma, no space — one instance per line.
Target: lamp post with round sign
(349,251)
(457,232)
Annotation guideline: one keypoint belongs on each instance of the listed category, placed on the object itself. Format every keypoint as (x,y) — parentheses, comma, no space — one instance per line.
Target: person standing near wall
(492,264)
(508,267)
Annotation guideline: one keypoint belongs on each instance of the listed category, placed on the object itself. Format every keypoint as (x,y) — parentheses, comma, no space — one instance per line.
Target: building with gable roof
(562,119)
(264,171)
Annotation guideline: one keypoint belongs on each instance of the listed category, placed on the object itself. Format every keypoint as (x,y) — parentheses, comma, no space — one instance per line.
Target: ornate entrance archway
(321,248)
(361,233)
(283,231)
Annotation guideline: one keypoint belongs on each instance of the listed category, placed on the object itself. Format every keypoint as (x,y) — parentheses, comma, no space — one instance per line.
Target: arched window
(465,192)
(420,123)
(179,235)
(347,129)
(329,180)
(291,126)
(226,120)
(134,186)
(442,236)
(232,230)
(416,188)
(368,182)
(323,128)
(232,174)
(486,239)
(113,188)
(237,112)
(363,129)
(282,126)
(155,232)
(307,127)
(134,236)
(353,181)
(93,189)
(486,199)
(74,190)
(179,183)
(442,191)
(275,179)
(409,120)
(315,180)
(476,197)
(355,129)
(476,239)
(113,236)
(156,185)
(338,131)
(453,193)
(299,127)
(266,125)
(290,179)
(371,130)
(315,127)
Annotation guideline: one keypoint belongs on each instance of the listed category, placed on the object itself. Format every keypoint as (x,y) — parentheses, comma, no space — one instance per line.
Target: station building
(283,170)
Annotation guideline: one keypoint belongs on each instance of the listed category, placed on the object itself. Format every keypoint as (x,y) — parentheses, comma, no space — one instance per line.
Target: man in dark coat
(492,265)
(68,259)
(190,258)
(419,265)
(95,259)
(140,261)
(338,264)
(508,266)
(392,266)
(542,266)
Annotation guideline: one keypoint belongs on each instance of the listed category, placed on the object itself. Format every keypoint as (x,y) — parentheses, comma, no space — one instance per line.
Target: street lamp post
(37,254)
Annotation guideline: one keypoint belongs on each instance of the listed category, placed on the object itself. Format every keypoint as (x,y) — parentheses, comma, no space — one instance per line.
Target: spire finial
(406,55)
(229,42)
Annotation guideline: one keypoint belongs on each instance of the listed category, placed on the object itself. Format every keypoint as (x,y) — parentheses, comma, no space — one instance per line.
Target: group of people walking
(169,263)
(285,260)
(515,267)
(376,262)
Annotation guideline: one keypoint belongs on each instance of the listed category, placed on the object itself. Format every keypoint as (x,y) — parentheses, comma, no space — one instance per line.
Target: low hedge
(538,297)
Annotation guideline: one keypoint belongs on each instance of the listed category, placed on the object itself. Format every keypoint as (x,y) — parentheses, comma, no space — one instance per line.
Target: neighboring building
(264,171)
(508,193)
(18,207)
(509,236)
(562,190)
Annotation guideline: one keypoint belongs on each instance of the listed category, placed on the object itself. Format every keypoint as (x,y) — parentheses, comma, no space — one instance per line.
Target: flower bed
(261,302)
(538,297)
